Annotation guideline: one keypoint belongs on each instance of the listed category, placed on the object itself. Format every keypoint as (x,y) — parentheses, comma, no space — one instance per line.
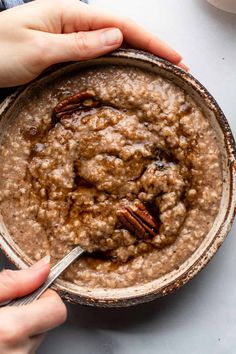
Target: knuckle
(125,22)
(9,281)
(127,25)
(40,44)
(13,329)
(10,334)
(81,42)
(7,277)
(39,54)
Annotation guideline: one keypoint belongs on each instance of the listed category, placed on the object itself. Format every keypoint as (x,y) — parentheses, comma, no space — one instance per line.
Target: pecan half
(80,102)
(138,220)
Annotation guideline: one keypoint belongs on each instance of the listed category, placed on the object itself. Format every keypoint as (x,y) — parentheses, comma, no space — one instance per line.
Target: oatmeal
(117,160)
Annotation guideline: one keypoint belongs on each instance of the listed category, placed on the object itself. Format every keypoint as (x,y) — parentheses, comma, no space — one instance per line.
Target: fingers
(38,317)
(81,45)
(50,294)
(183,66)
(139,38)
(22,328)
(16,283)
(83,17)
(46,313)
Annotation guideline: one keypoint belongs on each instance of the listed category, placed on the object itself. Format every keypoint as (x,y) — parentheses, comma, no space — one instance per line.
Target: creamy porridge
(119,161)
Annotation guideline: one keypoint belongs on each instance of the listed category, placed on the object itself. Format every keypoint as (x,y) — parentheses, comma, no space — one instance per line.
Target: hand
(38,34)
(22,328)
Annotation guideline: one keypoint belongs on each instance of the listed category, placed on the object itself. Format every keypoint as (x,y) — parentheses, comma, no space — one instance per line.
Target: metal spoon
(54,273)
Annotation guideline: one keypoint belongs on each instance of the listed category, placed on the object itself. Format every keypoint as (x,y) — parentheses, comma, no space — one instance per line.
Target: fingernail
(110,37)
(41,262)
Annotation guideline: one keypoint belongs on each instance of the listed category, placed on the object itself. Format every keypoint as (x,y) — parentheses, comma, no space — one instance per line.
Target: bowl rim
(207,254)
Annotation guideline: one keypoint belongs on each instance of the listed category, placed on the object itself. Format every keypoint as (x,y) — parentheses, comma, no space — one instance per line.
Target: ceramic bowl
(175,279)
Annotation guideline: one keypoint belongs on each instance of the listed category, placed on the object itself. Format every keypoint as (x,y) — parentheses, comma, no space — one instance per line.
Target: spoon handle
(54,273)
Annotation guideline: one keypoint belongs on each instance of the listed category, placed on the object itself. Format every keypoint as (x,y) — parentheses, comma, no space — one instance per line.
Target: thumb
(16,283)
(81,45)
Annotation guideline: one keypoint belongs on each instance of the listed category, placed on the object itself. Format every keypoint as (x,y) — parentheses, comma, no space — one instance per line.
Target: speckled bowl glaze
(175,279)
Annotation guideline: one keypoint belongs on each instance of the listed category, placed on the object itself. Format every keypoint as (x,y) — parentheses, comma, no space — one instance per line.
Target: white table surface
(201,317)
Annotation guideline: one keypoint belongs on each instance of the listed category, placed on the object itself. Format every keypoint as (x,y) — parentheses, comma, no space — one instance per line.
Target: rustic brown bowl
(175,279)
